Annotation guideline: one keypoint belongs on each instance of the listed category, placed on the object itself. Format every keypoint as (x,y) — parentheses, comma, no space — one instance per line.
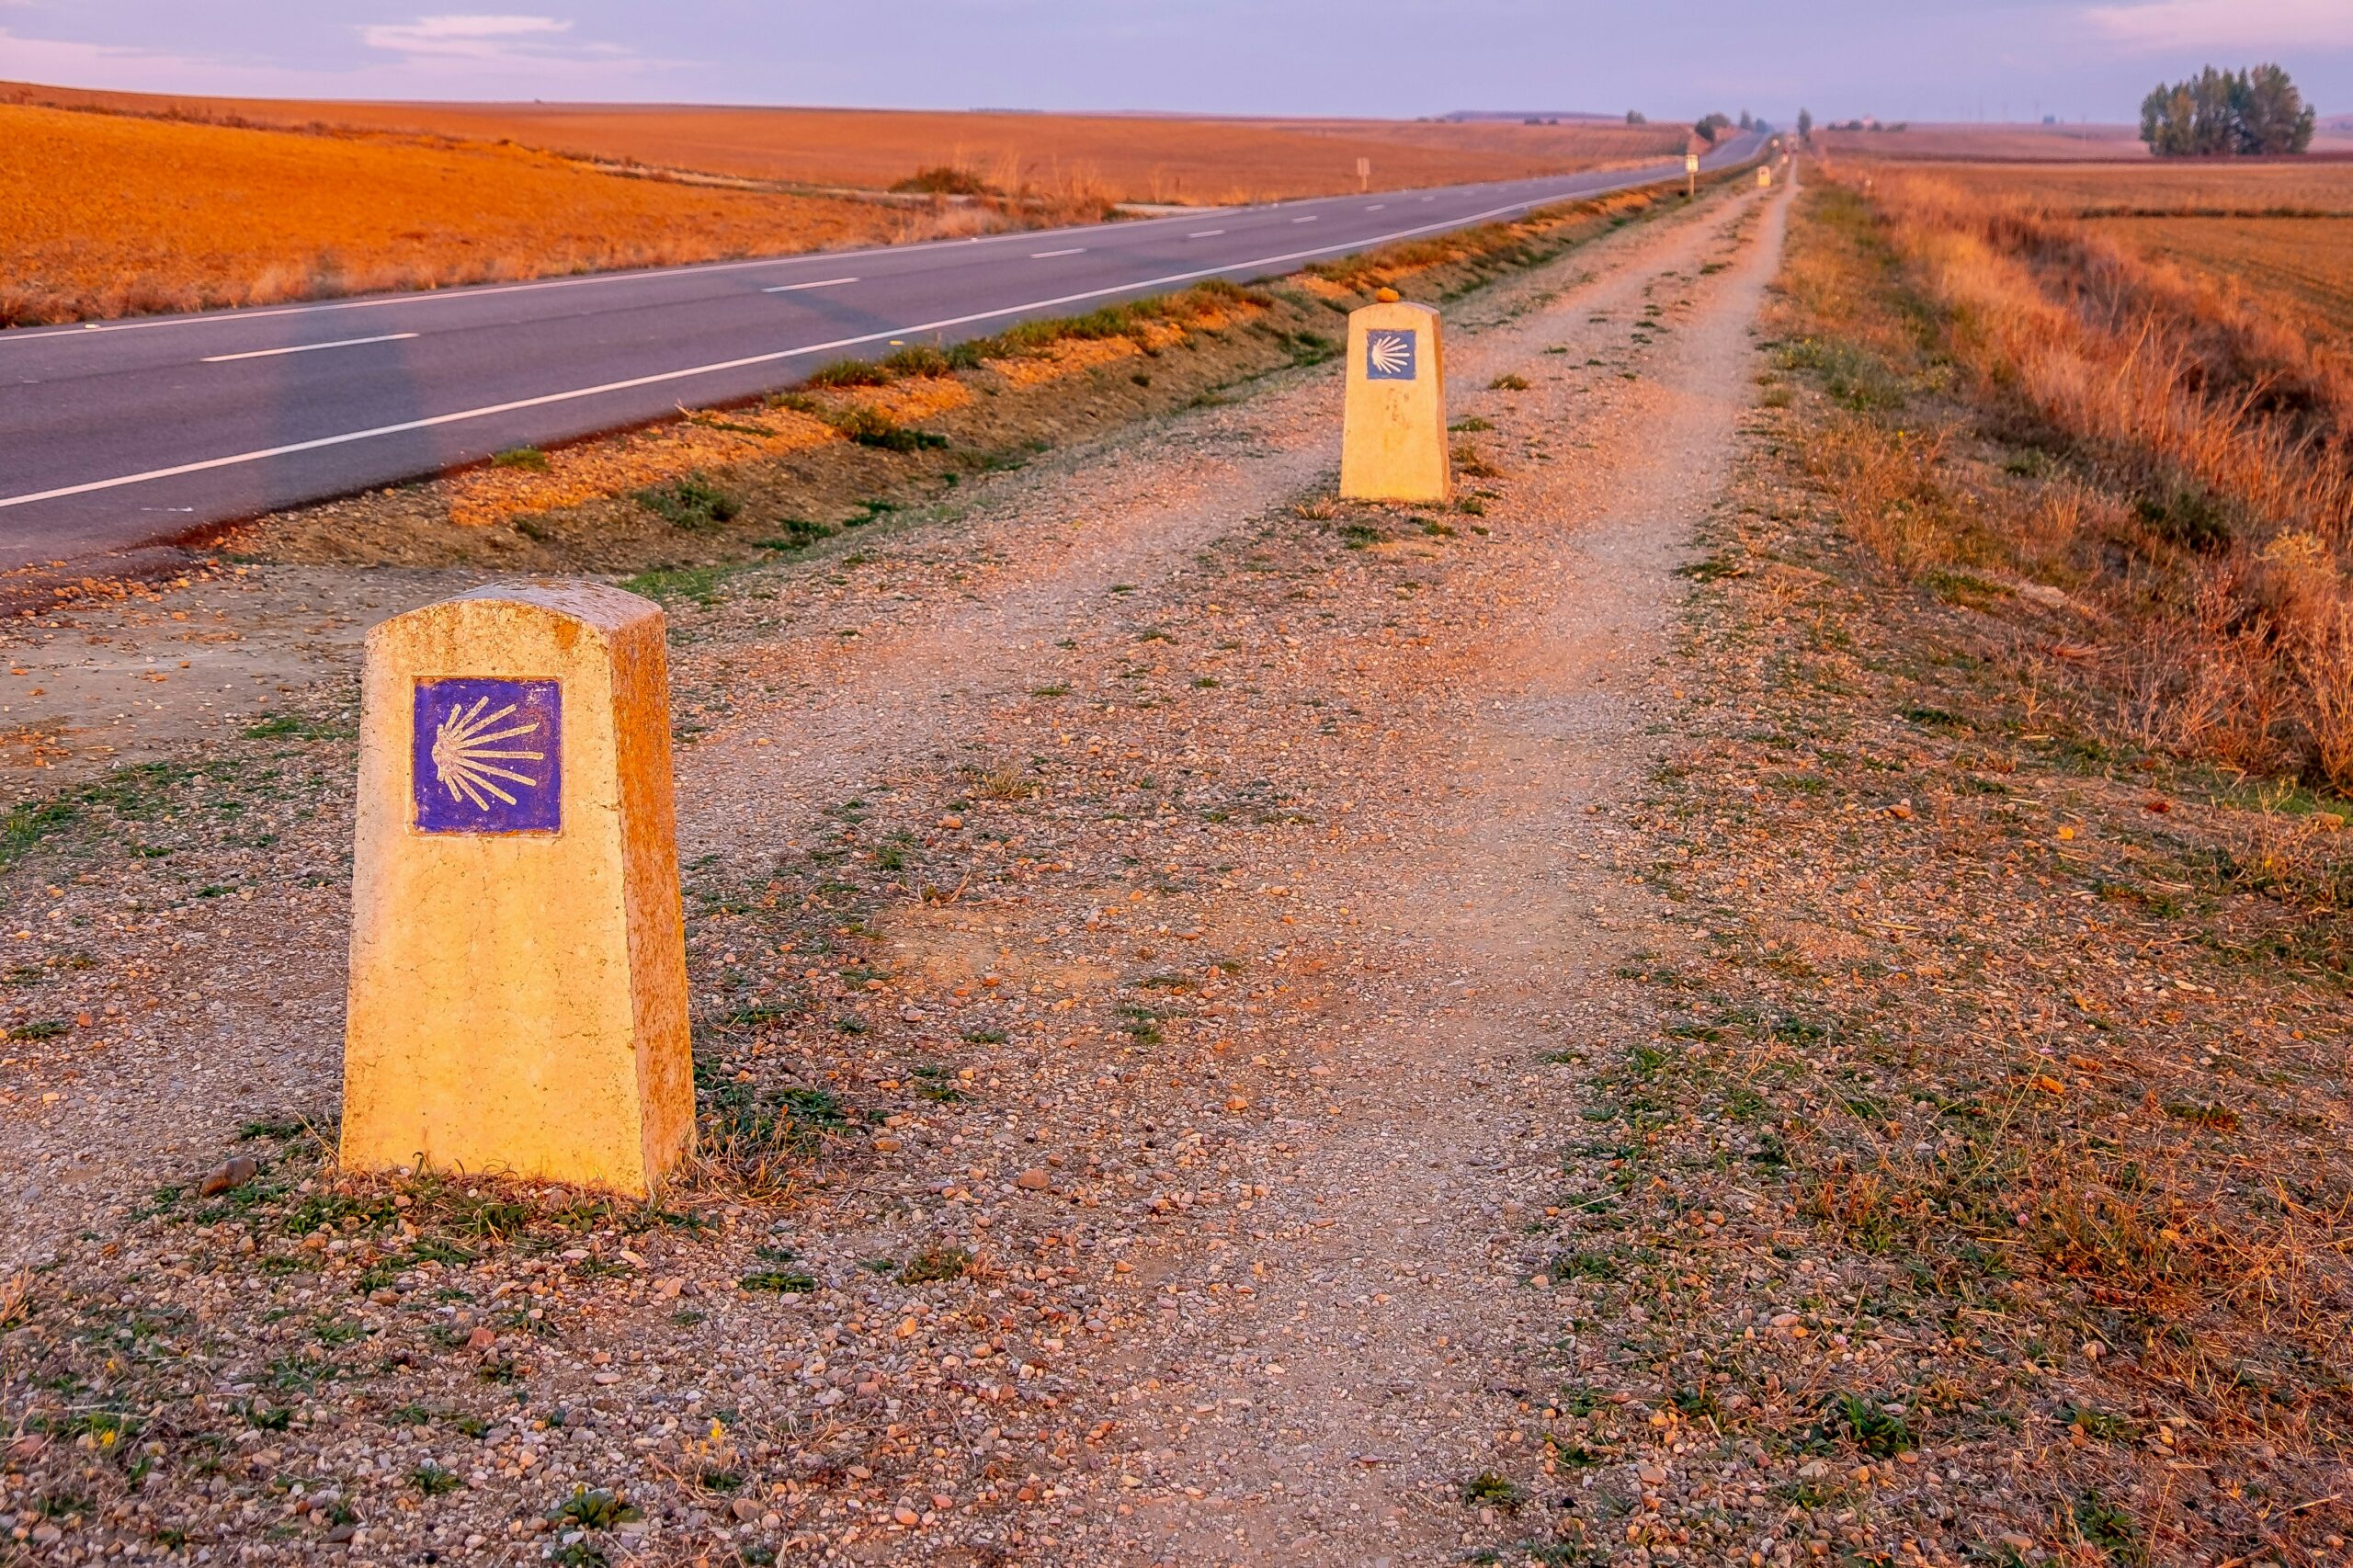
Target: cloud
(2247,25)
(431,57)
(472,38)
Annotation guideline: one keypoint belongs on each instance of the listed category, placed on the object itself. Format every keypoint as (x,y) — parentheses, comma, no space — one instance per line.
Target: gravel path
(1158,892)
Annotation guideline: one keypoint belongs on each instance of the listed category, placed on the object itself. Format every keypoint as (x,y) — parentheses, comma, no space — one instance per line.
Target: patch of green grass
(1488,1490)
(791,1282)
(935,1263)
(667,584)
(530,458)
(592,1509)
(691,503)
(1509,383)
(432,1481)
(2218,1117)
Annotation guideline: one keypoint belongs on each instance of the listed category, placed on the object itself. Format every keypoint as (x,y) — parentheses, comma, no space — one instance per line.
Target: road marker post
(1691,176)
(1393,436)
(1763,176)
(518,980)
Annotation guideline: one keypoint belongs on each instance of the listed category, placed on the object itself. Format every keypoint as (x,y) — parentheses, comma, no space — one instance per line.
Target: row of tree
(2225,113)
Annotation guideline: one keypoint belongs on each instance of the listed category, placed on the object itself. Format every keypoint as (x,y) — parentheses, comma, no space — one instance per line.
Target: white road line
(1204,233)
(796,288)
(1046,254)
(1376,206)
(1309,218)
(1165,280)
(306,347)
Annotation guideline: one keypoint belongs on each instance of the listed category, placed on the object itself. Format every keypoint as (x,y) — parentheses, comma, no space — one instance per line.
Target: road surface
(119,433)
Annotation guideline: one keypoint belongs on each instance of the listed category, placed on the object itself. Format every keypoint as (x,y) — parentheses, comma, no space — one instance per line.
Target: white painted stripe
(1165,280)
(482,291)
(1376,206)
(1309,218)
(1204,233)
(306,347)
(796,288)
(1048,255)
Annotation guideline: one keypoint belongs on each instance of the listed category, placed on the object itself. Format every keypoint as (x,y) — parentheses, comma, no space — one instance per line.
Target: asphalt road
(119,434)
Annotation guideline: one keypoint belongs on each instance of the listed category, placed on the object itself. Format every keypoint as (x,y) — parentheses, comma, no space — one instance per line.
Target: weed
(690,502)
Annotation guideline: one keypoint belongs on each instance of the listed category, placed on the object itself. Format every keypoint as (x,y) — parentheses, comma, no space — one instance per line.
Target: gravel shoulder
(1131,924)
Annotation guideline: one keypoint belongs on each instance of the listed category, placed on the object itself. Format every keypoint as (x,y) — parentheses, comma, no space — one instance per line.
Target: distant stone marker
(1393,442)
(1764,175)
(1690,173)
(518,978)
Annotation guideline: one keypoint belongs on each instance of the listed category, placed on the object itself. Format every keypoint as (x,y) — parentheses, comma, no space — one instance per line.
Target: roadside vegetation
(1995,1136)
(681,506)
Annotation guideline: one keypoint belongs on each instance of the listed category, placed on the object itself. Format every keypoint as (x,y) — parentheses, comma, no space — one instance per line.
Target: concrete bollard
(1393,441)
(1763,176)
(518,974)
(1690,175)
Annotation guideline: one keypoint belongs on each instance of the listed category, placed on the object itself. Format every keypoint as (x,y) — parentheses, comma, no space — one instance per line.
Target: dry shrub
(2232,434)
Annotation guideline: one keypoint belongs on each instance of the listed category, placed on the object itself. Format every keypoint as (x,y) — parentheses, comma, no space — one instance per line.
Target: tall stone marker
(1763,176)
(1392,441)
(518,967)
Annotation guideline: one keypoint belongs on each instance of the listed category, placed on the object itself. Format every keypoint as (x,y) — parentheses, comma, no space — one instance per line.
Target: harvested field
(111,215)
(2022,143)
(1113,157)
(2153,189)
(2301,268)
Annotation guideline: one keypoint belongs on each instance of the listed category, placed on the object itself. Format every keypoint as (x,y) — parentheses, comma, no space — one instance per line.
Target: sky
(1895,59)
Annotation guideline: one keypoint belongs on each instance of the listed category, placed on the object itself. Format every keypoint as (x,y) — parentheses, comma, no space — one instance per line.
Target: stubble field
(1114,157)
(121,204)
(109,215)
(2280,233)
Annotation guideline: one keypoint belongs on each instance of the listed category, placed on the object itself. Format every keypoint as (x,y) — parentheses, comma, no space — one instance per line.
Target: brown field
(2282,232)
(2301,268)
(2157,190)
(111,215)
(1118,158)
(2031,143)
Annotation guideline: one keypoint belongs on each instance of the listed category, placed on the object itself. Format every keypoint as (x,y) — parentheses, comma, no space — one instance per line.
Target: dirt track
(1251,855)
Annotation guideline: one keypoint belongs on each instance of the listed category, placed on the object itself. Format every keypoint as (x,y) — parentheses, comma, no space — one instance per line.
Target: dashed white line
(1204,233)
(796,288)
(572,394)
(1309,218)
(305,348)
(1376,206)
(1048,255)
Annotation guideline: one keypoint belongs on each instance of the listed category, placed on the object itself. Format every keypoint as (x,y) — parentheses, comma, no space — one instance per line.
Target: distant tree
(2224,113)
(1805,125)
(1746,124)
(1710,127)
(1636,117)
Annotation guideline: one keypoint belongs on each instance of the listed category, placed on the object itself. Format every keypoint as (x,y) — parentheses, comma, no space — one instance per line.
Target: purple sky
(1955,59)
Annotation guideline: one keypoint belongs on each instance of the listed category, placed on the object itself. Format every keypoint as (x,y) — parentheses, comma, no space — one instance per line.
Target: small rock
(230,1177)
(1650,1474)
(906,1516)
(887,1144)
(1236,1103)
(1812,1470)
(482,1339)
(745,1509)
(1034,1179)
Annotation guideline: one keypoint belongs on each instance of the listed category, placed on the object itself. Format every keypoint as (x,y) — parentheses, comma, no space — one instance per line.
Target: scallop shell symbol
(1389,354)
(467,756)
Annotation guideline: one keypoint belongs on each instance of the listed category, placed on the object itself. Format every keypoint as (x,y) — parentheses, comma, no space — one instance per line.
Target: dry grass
(2153,188)
(1103,157)
(2201,454)
(109,215)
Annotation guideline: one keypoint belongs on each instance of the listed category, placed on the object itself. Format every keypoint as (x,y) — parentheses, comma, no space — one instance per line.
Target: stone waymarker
(1392,441)
(518,971)
(1690,173)
(1763,176)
